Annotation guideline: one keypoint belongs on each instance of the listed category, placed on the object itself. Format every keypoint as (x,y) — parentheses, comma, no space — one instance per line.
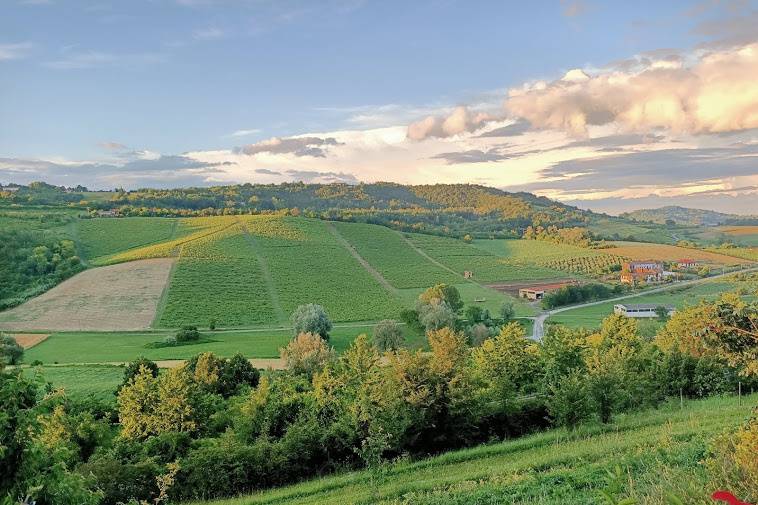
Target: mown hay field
(657,451)
(116,297)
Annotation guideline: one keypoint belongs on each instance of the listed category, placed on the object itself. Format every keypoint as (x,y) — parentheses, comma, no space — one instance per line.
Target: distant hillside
(442,209)
(681,216)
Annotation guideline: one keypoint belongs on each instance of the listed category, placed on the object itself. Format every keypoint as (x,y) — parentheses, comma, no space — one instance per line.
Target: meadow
(657,451)
(119,347)
(81,381)
(590,317)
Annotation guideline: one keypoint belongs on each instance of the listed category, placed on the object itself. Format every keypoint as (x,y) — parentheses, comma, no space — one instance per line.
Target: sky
(606,105)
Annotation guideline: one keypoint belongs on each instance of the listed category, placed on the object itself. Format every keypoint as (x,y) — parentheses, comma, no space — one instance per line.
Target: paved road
(539,321)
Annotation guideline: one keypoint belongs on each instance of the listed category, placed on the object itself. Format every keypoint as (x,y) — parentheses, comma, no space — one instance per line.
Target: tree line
(217,427)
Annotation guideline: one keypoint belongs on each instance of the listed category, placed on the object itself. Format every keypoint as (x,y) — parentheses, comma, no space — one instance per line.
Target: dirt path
(266,272)
(539,321)
(365,264)
(429,258)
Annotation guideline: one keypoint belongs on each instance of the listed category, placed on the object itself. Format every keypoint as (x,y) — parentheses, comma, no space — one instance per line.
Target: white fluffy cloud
(715,92)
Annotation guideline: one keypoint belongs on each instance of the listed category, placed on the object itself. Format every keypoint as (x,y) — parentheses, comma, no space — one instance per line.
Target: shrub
(388,335)
(307,354)
(507,312)
(187,334)
(10,351)
(170,340)
(311,318)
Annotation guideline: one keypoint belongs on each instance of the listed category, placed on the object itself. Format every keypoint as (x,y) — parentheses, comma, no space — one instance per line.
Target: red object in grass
(727,497)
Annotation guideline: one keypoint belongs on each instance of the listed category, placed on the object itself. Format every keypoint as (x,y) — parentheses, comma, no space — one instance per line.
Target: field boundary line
(341,240)
(268,279)
(163,300)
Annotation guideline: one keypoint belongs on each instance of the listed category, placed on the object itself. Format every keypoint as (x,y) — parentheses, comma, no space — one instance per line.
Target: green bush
(187,334)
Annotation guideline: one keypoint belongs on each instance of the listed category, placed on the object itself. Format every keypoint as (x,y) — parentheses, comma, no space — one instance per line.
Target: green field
(590,317)
(658,451)
(114,347)
(393,257)
(105,236)
(81,381)
(485,264)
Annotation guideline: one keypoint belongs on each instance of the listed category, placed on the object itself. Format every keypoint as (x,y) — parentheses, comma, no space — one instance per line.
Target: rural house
(641,309)
(641,271)
(684,264)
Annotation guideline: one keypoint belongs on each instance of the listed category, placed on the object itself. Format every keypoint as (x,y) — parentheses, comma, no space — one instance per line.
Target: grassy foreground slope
(659,451)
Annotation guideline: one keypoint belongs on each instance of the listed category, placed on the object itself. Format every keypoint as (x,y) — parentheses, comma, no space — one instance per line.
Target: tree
(388,335)
(662,312)
(307,354)
(507,312)
(133,368)
(188,334)
(10,350)
(442,293)
(436,315)
(311,318)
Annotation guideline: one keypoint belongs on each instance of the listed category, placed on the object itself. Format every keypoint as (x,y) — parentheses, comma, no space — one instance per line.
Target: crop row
(588,265)
(393,257)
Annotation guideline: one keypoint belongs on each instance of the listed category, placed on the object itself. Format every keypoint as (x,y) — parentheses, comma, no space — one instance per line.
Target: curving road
(539,321)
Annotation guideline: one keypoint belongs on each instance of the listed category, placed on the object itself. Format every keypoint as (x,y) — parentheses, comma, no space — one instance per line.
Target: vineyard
(662,252)
(486,266)
(393,257)
(593,265)
(102,237)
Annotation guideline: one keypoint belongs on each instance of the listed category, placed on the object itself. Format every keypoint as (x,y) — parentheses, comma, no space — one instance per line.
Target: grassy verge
(658,451)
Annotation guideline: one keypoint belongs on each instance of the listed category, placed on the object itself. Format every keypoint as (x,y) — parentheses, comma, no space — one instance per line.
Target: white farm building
(641,309)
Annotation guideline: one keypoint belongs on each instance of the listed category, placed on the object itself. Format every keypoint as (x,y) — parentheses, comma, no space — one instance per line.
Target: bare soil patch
(117,297)
(29,340)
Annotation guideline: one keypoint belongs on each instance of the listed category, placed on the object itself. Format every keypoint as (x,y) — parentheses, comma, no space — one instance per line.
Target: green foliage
(135,367)
(388,335)
(571,294)
(187,333)
(440,293)
(311,318)
(10,351)
(507,312)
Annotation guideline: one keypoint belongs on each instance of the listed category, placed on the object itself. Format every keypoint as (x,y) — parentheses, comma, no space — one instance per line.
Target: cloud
(14,51)
(310,176)
(113,146)
(209,33)
(93,59)
(673,170)
(266,171)
(715,93)
(245,133)
(460,120)
(163,171)
(573,8)
(473,156)
(512,130)
(297,146)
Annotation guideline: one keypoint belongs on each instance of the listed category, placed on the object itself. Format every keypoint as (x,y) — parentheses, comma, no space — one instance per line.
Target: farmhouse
(531,293)
(537,292)
(684,264)
(641,271)
(641,309)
